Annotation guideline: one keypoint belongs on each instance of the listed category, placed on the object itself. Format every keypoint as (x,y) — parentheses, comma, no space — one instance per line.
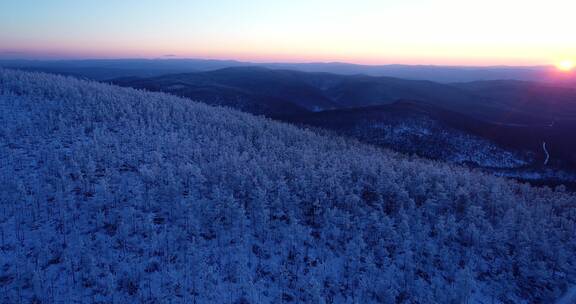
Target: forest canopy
(114,195)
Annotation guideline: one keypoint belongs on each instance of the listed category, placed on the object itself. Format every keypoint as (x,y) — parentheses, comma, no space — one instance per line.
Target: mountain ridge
(106,69)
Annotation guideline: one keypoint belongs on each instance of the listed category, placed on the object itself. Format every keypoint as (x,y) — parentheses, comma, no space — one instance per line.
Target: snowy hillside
(411,128)
(112,195)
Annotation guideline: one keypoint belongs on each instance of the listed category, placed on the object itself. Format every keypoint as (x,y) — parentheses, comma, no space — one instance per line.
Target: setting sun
(566,65)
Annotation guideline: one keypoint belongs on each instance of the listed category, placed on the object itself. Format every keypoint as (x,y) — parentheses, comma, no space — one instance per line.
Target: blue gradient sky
(485,32)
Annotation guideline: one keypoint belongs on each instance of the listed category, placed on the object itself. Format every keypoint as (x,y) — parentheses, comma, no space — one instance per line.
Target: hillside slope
(413,128)
(112,195)
(519,116)
(512,150)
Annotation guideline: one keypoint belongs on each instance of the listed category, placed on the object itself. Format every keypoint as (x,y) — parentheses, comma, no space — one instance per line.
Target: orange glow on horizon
(290,57)
(566,65)
(263,54)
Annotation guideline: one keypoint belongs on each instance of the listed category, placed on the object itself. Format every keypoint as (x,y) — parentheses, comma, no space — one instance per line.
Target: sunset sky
(442,32)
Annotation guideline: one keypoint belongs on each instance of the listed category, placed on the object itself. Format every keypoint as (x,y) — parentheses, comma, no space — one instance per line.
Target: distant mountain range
(289,89)
(104,69)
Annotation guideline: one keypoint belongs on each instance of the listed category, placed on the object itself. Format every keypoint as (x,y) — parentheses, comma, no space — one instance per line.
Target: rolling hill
(312,91)
(115,195)
(255,90)
(514,116)
(502,101)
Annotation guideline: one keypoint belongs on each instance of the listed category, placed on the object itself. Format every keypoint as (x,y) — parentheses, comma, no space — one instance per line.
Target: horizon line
(304,62)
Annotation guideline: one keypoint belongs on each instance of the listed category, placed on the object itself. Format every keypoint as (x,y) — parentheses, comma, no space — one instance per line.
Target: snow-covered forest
(113,195)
